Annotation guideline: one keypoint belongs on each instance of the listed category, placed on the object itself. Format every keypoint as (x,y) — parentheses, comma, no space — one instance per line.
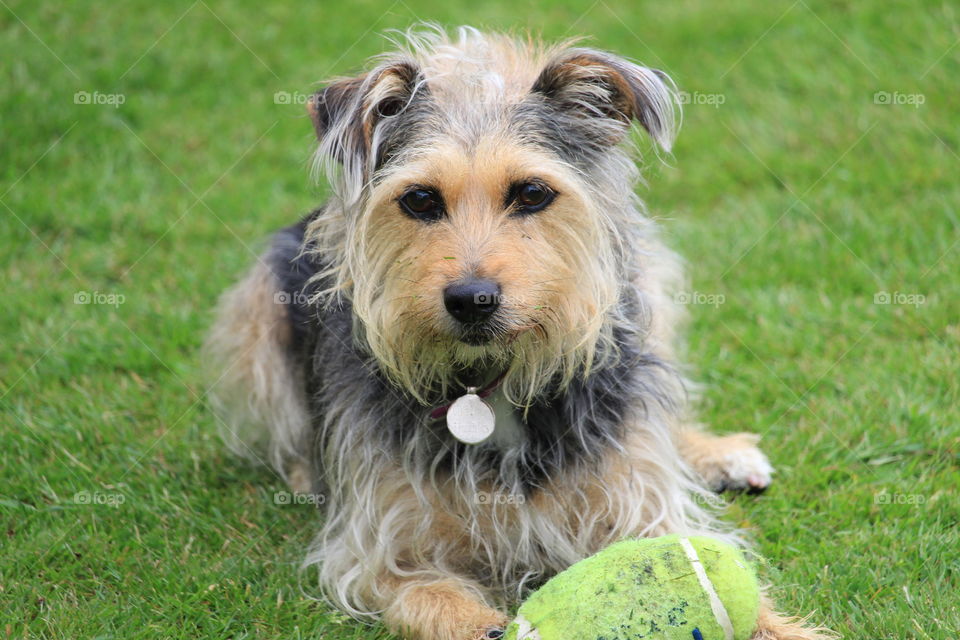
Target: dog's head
(482,195)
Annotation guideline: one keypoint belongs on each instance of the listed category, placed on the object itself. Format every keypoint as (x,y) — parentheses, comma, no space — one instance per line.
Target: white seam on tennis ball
(716,605)
(525,630)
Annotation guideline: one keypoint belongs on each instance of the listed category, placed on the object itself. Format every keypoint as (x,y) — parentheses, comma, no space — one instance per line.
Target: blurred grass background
(817,170)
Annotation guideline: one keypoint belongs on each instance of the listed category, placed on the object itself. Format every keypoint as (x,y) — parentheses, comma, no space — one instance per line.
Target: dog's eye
(422,204)
(530,197)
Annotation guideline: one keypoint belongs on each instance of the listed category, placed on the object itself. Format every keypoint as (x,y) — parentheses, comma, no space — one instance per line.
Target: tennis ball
(667,588)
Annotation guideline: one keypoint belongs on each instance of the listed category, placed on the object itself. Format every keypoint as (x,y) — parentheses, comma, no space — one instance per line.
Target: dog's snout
(472,301)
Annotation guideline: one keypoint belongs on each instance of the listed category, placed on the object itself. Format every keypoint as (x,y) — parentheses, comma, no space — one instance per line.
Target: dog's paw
(735,463)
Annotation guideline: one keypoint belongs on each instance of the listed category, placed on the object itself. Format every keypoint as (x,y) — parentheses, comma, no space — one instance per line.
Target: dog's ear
(594,84)
(350,116)
(332,103)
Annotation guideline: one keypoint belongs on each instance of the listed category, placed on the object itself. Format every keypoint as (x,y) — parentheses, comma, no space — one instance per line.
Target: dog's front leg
(441,607)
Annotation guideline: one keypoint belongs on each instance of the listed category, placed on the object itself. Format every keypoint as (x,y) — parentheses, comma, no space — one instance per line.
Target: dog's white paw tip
(758,484)
(744,469)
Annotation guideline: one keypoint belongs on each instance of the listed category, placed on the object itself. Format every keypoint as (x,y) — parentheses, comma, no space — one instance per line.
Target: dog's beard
(531,357)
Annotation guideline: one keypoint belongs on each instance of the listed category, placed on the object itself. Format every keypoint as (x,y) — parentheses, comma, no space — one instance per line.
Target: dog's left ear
(594,84)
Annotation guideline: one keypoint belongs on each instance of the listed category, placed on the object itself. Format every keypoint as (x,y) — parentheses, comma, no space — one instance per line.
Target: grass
(795,195)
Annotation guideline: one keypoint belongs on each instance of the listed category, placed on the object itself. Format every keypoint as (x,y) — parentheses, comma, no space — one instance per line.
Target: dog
(470,351)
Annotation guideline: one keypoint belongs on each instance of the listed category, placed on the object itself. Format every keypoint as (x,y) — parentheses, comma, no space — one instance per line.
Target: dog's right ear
(351,115)
(332,103)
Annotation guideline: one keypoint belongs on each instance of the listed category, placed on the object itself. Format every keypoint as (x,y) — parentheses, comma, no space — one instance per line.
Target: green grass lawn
(798,193)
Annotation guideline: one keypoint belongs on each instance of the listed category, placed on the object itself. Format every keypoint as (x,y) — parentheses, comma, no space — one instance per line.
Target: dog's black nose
(472,301)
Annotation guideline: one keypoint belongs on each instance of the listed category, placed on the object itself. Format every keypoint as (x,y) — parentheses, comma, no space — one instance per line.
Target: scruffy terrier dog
(470,349)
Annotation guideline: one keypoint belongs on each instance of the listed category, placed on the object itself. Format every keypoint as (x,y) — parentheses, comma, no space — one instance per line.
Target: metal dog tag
(470,419)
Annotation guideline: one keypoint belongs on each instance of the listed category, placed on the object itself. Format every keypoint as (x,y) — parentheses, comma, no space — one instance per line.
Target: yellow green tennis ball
(667,588)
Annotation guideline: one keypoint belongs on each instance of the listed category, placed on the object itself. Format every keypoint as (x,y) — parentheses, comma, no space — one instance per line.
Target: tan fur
(418,547)
(255,393)
(440,609)
(298,477)
(554,302)
(775,626)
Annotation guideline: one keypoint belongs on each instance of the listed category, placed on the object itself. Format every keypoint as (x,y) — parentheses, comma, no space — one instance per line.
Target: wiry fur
(257,393)
(479,101)
(340,347)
